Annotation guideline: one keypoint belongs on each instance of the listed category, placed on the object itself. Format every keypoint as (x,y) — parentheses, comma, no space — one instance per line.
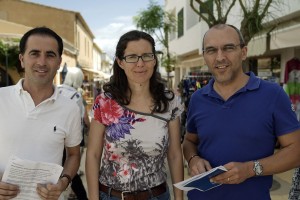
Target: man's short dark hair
(41,31)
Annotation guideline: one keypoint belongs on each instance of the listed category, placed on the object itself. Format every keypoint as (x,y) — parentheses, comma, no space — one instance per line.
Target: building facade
(268,51)
(19,16)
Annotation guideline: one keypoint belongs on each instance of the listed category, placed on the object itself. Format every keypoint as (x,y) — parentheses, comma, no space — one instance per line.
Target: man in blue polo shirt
(235,121)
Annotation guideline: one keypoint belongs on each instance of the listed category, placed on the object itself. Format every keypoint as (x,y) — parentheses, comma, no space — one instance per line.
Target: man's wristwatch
(68,177)
(257,168)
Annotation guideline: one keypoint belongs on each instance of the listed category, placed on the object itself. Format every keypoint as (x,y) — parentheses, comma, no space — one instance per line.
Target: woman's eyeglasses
(146,57)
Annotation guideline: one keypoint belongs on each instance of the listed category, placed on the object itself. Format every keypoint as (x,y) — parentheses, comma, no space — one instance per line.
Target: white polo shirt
(37,133)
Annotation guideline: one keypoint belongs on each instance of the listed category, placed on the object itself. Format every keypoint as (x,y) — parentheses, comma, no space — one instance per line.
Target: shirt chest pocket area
(52,134)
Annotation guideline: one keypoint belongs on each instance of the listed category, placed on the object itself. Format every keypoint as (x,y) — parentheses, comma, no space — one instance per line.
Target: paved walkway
(279,191)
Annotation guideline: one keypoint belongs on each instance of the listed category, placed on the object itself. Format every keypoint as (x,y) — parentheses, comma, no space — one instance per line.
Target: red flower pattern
(109,111)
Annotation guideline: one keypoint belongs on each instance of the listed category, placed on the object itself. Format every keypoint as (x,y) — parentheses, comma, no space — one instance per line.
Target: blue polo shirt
(243,128)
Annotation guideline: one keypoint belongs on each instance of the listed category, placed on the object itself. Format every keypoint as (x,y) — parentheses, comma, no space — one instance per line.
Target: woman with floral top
(135,126)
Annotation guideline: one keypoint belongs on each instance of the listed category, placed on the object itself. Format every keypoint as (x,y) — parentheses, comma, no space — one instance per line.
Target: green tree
(9,56)
(155,21)
(205,10)
(254,12)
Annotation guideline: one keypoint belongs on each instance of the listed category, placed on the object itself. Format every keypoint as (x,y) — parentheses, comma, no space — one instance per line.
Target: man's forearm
(72,162)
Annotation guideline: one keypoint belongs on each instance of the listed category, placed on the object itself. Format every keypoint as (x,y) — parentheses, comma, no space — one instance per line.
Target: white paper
(27,174)
(202,181)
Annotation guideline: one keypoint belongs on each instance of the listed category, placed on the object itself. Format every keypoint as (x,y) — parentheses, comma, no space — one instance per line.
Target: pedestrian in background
(96,89)
(136,126)
(36,123)
(235,121)
(69,89)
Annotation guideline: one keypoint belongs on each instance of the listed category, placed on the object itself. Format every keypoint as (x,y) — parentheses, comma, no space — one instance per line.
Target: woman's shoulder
(175,107)
(103,96)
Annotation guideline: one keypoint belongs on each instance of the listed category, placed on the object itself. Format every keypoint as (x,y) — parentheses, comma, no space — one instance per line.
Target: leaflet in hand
(27,174)
(202,181)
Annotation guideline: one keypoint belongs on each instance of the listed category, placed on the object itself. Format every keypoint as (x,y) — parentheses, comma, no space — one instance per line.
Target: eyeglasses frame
(139,57)
(235,45)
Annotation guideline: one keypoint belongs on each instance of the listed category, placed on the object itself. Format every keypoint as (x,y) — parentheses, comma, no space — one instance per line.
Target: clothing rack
(192,82)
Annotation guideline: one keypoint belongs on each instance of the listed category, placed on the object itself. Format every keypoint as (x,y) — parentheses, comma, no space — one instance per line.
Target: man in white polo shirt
(36,123)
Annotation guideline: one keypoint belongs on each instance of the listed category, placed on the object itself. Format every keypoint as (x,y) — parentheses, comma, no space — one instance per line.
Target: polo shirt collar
(19,89)
(252,84)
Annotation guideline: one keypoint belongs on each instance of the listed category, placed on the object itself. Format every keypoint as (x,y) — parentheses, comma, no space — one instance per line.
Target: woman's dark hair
(118,86)
(41,31)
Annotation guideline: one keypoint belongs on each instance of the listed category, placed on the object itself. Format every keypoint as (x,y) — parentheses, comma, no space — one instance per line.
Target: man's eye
(50,55)
(33,54)
(228,48)
(211,50)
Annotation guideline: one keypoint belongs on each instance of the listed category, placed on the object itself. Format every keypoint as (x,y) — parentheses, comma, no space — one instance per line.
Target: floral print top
(135,145)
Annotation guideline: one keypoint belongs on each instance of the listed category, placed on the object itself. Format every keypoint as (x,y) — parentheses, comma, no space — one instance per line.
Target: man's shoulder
(4,91)
(270,86)
(69,92)
(66,103)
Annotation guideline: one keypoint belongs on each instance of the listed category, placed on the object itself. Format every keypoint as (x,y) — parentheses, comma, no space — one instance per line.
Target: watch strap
(257,168)
(68,177)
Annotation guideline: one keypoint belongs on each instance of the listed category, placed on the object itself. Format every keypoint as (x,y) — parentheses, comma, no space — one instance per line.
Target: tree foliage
(223,8)
(155,21)
(253,11)
(11,53)
(253,17)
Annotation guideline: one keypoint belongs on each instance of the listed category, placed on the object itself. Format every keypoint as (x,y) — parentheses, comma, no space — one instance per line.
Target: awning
(97,74)
(258,44)
(284,36)
(89,70)
(195,62)
(103,75)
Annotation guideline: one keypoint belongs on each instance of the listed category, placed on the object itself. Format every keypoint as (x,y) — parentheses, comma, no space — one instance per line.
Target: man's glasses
(228,48)
(146,57)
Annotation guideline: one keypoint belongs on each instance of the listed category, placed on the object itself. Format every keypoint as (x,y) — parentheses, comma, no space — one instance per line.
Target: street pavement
(279,191)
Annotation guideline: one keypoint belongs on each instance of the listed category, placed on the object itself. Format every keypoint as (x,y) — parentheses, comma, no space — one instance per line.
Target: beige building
(18,16)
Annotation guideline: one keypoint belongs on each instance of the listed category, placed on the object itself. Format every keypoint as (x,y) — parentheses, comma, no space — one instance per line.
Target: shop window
(269,68)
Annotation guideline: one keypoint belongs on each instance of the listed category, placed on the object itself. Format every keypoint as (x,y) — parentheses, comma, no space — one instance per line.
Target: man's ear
(58,66)
(21,60)
(244,52)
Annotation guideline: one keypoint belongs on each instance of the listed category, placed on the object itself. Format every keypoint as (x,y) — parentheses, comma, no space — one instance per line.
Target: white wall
(193,31)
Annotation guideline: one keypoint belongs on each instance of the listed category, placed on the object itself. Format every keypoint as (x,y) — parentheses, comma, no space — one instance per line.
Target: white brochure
(27,174)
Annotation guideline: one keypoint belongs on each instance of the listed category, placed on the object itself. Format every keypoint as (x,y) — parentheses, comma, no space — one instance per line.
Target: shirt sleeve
(106,110)
(74,136)
(176,108)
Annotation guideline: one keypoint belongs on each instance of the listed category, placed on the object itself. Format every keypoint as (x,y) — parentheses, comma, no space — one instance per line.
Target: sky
(107,19)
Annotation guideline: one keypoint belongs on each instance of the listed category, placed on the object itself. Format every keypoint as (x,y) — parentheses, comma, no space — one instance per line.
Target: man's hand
(8,191)
(51,191)
(237,173)
(198,165)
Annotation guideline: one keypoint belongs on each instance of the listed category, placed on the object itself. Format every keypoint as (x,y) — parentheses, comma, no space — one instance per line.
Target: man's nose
(42,59)
(220,54)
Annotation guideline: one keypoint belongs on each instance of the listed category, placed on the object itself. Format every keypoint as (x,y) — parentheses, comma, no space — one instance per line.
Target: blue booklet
(202,181)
